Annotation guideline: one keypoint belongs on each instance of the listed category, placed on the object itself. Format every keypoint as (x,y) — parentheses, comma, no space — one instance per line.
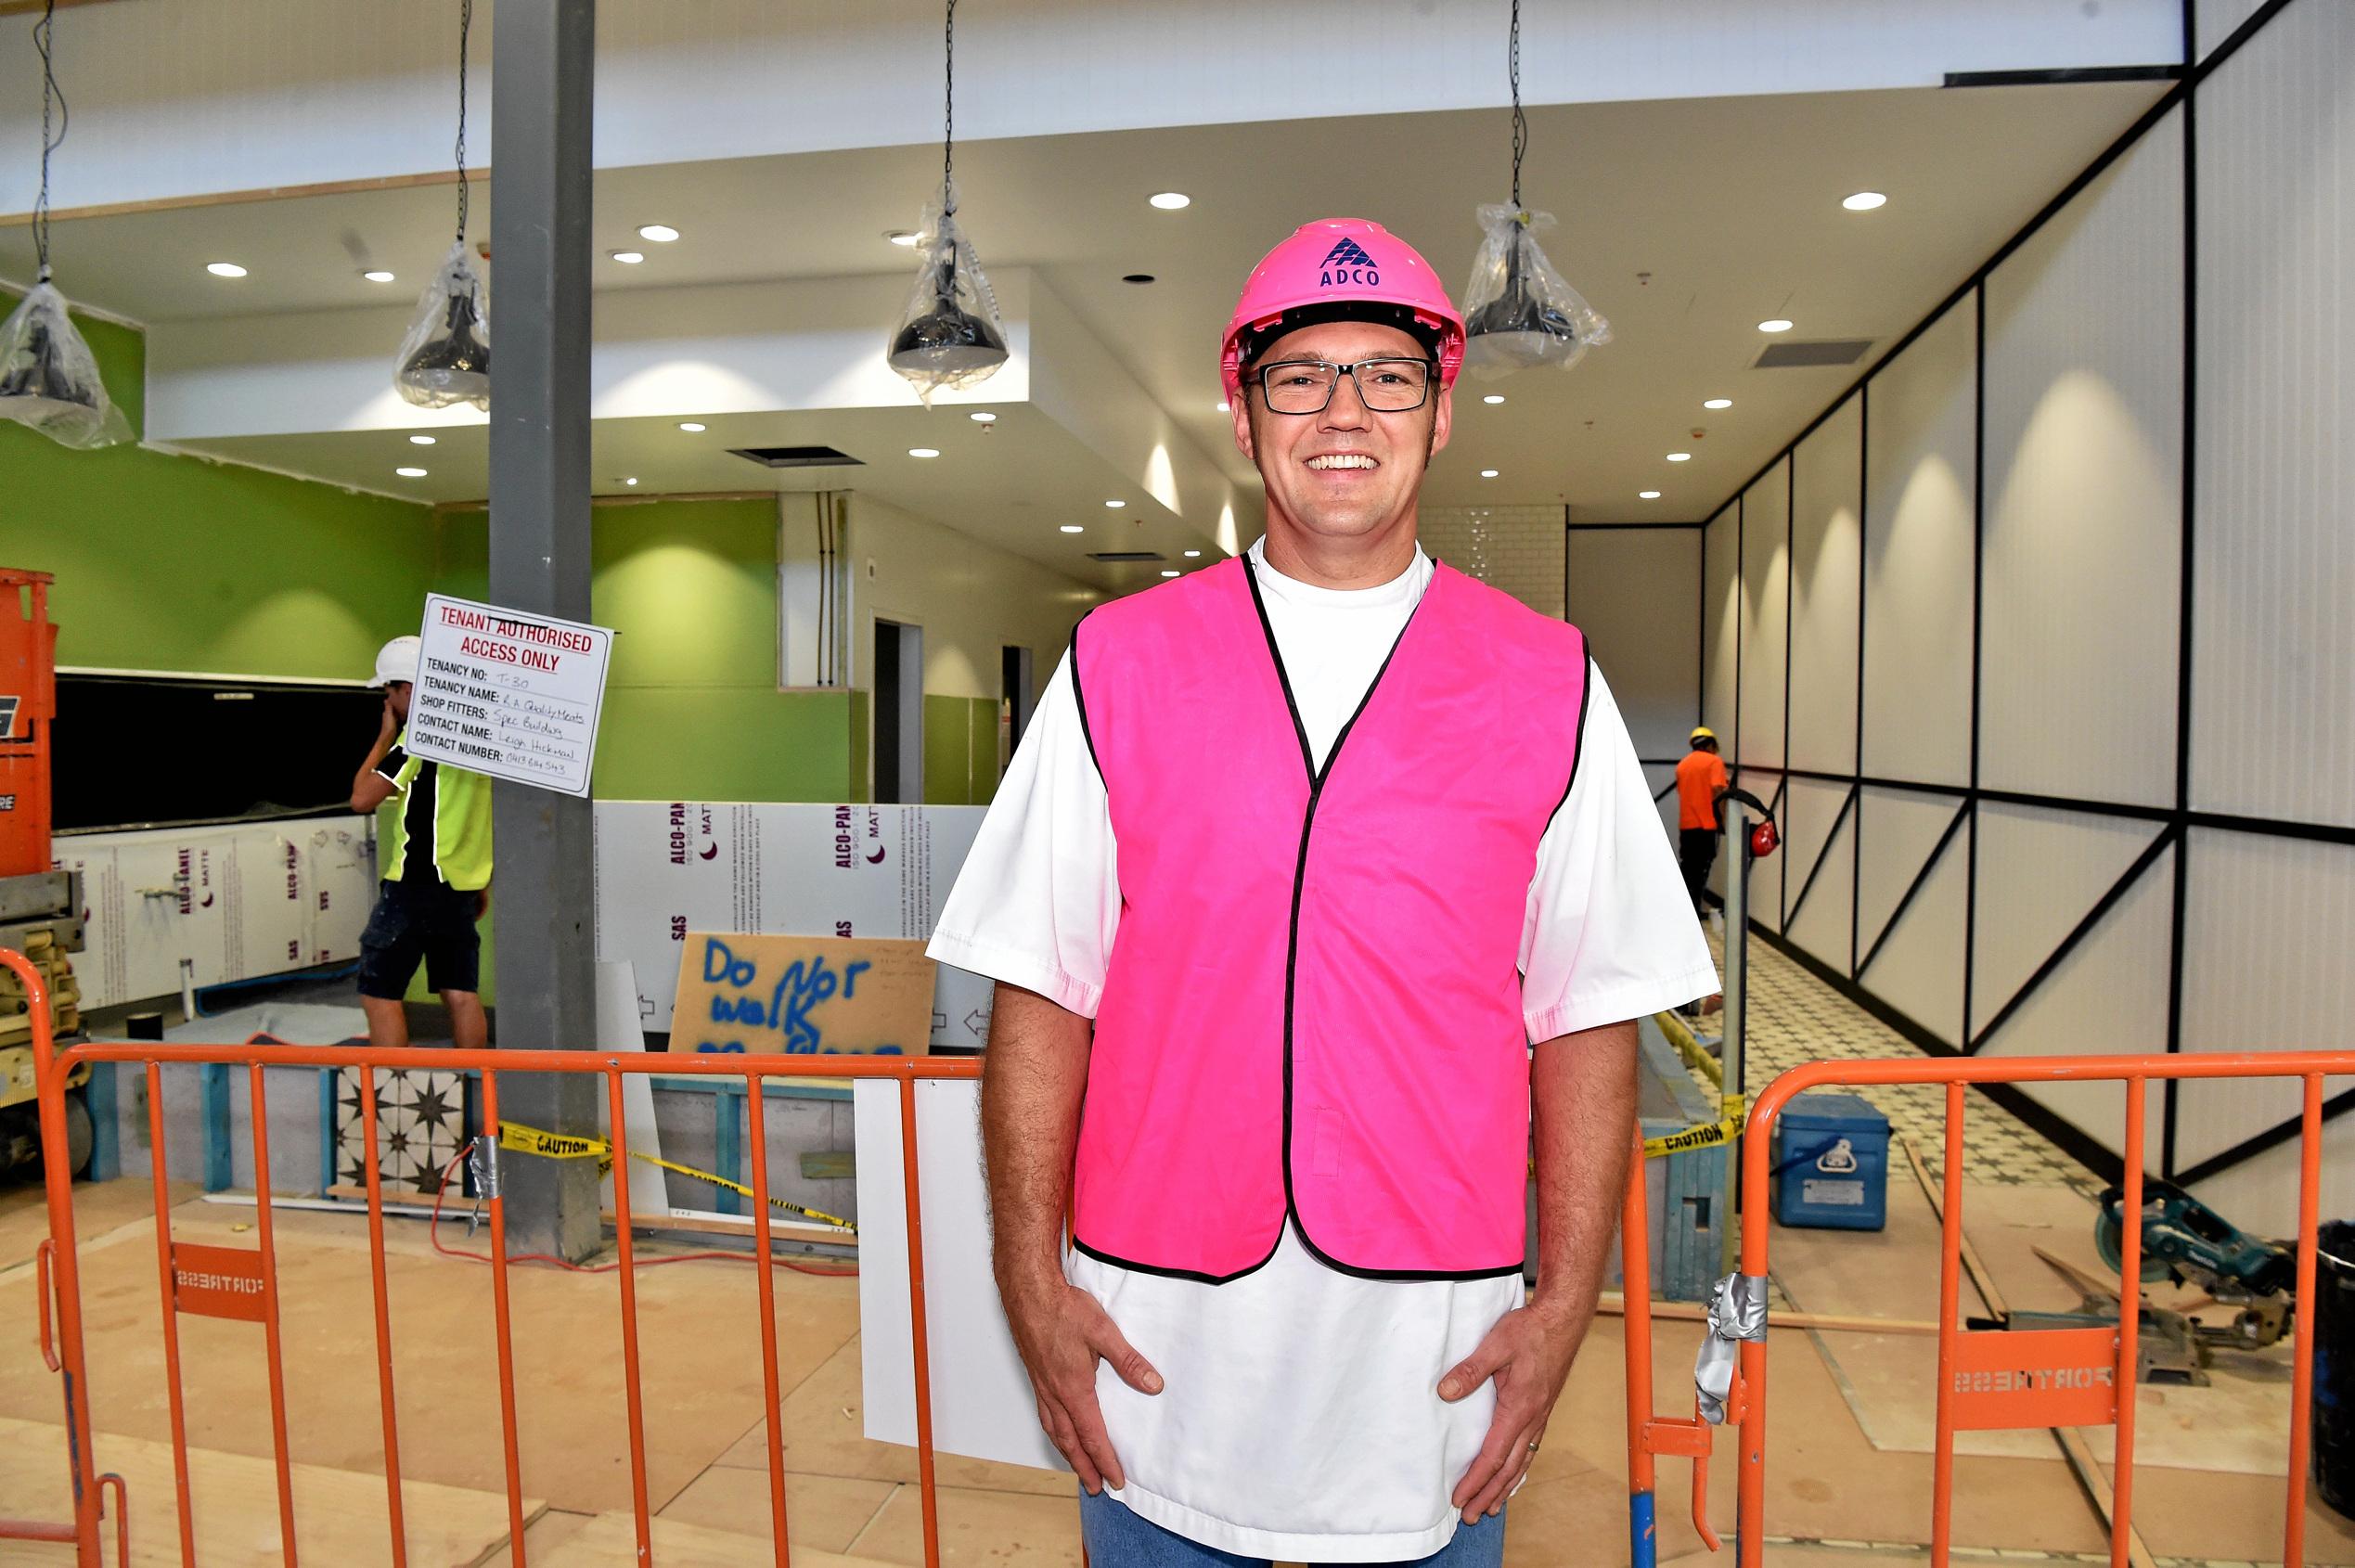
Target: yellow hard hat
(1702,732)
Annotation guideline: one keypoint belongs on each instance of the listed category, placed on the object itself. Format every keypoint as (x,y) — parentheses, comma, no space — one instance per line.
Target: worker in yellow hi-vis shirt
(436,872)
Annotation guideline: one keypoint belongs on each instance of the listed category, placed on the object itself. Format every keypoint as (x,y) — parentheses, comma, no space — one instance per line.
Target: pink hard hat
(1341,269)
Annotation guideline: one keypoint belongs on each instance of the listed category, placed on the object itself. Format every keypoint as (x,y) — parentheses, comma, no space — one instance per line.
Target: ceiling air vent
(1125,555)
(1801,356)
(797,457)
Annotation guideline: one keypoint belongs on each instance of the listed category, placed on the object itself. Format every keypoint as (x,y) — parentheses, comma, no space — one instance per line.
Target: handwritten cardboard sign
(510,695)
(802,995)
(217,1281)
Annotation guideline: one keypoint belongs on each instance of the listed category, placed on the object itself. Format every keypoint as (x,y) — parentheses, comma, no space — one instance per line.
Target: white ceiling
(1731,206)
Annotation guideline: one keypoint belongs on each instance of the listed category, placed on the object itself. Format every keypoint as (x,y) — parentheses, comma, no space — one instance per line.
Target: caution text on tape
(1702,1134)
(573,1146)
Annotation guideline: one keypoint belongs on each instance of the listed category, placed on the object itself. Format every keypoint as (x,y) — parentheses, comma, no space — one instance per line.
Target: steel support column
(543,60)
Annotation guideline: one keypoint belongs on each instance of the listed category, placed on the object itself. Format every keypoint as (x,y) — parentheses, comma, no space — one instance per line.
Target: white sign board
(668,867)
(509,695)
(983,1406)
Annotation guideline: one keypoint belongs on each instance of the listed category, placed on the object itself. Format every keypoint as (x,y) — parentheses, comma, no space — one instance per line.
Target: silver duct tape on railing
(1737,1312)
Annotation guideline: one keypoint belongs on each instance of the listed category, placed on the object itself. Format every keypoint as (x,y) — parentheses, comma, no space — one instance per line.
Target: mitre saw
(2189,1243)
(2185,1241)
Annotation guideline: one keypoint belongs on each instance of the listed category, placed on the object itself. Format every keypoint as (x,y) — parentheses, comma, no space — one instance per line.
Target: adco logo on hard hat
(1347,263)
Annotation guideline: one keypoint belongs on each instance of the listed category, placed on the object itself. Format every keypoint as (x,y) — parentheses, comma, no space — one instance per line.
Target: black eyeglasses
(1305,386)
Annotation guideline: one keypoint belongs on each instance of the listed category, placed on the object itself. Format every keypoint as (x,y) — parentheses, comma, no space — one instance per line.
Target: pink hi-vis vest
(1313,1010)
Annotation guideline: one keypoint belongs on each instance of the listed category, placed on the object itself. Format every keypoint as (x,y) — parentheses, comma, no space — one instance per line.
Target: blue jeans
(1118,1536)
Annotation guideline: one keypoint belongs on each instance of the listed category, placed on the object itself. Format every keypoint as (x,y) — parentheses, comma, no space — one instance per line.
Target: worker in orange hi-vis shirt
(1701,785)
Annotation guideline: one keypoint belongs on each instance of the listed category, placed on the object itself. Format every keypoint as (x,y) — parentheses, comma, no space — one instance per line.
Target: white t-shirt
(1300,1417)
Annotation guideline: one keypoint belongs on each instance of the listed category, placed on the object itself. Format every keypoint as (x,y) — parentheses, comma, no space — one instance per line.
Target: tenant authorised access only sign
(507,694)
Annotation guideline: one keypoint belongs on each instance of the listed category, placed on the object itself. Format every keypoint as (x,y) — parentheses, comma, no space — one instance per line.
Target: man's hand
(1582,1087)
(1061,1334)
(1528,1353)
(482,902)
(369,788)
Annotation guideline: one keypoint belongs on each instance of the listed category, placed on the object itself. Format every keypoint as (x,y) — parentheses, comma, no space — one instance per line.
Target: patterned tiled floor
(1795,1018)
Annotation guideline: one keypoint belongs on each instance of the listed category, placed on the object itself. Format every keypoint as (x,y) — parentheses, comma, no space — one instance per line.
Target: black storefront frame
(2177,822)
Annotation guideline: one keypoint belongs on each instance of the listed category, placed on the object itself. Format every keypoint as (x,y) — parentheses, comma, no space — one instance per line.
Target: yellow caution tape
(1697,1056)
(573,1145)
(554,1146)
(1703,1134)
(1707,1134)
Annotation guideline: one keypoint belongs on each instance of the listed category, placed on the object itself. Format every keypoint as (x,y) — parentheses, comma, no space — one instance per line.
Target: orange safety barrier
(1987,1378)
(235,1283)
(1650,1435)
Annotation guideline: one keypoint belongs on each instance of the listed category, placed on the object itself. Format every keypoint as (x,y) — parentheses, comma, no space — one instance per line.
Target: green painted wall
(691,706)
(961,749)
(168,563)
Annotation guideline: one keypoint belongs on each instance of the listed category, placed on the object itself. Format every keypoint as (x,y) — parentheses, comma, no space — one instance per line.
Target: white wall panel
(1766,592)
(2273,644)
(1821,925)
(2083,516)
(2268,924)
(1919,969)
(2262,1196)
(1921,473)
(2108,997)
(1826,541)
(1720,642)
(2214,21)
(1902,828)
(2041,872)
(1636,594)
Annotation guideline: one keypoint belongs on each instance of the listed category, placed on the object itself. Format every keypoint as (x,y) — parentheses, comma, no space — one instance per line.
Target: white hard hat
(396,660)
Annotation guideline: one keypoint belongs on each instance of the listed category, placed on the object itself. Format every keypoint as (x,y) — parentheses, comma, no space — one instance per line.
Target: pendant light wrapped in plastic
(446,358)
(1519,313)
(49,379)
(950,335)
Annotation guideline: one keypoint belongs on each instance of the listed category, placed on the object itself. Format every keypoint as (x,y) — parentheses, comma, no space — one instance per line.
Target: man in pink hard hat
(1300,854)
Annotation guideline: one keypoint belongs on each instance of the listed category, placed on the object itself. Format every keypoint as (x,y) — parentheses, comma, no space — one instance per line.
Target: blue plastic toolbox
(1832,1164)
